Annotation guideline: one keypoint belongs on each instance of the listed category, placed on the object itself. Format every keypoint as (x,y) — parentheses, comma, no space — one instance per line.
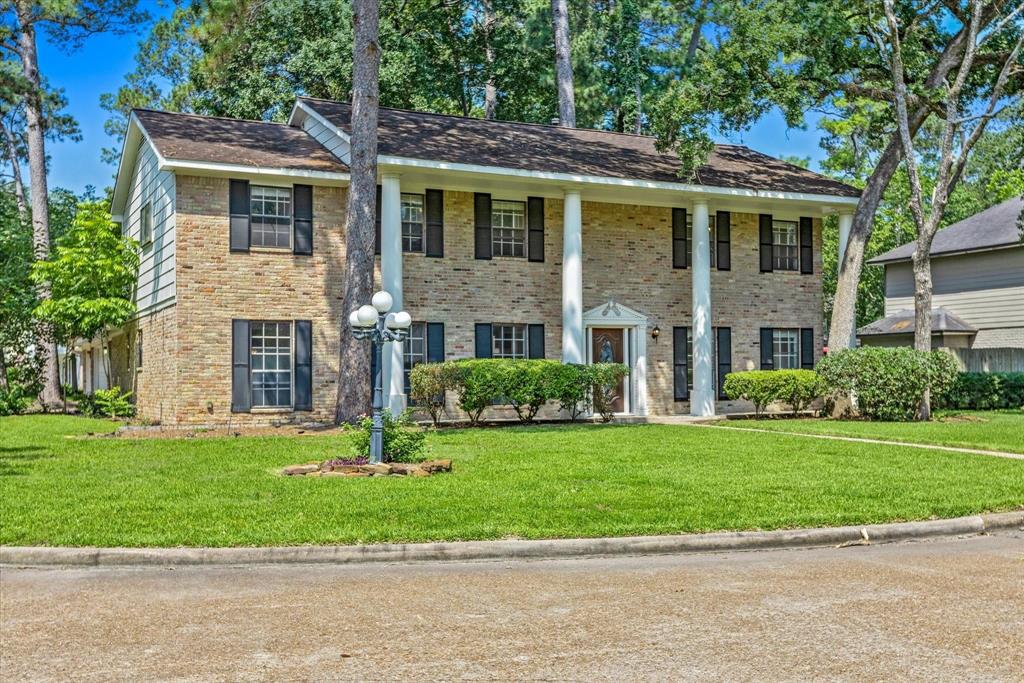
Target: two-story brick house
(501,239)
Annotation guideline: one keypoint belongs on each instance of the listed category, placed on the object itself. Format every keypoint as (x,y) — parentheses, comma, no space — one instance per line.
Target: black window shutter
(241,392)
(484,347)
(724,357)
(723,230)
(680,243)
(482,220)
(434,200)
(303,365)
(767,356)
(535,221)
(766,242)
(435,342)
(302,197)
(376,224)
(806,245)
(807,348)
(679,363)
(536,341)
(238,210)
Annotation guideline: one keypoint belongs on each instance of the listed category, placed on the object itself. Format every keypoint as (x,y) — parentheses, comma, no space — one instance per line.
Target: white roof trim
(295,120)
(218,167)
(134,135)
(385,160)
(612,312)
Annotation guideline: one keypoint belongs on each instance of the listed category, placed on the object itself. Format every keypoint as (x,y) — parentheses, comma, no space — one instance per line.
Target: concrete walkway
(858,439)
(948,610)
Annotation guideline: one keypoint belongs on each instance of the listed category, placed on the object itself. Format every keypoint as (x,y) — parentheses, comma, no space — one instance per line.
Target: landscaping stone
(395,469)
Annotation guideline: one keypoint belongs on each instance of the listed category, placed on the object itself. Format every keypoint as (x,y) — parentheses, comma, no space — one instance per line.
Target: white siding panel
(327,137)
(156,262)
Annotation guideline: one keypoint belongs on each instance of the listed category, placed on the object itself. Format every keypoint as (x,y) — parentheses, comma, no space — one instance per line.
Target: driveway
(941,610)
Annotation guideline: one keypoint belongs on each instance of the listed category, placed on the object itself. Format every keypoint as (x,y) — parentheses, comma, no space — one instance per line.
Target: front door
(608,347)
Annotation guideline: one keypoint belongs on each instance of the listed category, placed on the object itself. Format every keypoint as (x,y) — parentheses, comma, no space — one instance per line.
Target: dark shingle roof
(994,227)
(902,322)
(188,137)
(553,149)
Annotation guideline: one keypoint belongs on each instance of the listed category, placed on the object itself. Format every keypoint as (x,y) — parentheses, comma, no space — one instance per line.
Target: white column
(845,226)
(572,279)
(702,400)
(391,280)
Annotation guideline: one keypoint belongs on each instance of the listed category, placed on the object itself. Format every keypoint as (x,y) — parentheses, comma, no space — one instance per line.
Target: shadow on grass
(14,459)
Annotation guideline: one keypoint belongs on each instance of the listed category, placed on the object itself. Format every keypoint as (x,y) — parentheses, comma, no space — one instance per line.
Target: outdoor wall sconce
(655,333)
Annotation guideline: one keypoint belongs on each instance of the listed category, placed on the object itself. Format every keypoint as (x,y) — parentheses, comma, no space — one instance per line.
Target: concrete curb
(463,551)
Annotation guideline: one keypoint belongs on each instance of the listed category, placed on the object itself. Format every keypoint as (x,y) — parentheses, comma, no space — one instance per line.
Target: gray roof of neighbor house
(902,322)
(583,151)
(990,229)
(188,137)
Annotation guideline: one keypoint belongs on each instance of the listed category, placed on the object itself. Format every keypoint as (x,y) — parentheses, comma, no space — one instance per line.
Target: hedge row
(984,391)
(526,385)
(798,388)
(888,383)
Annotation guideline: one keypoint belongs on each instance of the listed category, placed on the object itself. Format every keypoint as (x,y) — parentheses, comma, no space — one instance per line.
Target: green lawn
(996,430)
(537,482)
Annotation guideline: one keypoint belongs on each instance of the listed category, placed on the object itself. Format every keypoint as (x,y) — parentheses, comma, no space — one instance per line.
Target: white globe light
(382,301)
(401,320)
(353,319)
(367,316)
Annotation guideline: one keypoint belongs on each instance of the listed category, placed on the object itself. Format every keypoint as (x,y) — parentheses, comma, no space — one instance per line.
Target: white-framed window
(785,246)
(711,229)
(414,351)
(270,363)
(138,350)
(146,224)
(509,341)
(271,216)
(413,219)
(785,348)
(508,228)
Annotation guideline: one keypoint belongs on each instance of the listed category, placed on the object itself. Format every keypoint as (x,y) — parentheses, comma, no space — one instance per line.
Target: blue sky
(101,64)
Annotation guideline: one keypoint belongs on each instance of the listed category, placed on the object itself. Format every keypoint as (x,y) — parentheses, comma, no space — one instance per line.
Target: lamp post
(373,321)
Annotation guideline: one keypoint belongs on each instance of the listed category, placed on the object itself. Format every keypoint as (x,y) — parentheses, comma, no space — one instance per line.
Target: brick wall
(627,257)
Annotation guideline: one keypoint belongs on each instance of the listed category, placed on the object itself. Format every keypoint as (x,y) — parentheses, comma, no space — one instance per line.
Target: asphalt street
(937,610)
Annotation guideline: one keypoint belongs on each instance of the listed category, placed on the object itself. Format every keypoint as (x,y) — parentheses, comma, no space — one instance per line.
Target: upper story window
(146,224)
(786,348)
(413,218)
(270,364)
(508,228)
(785,245)
(271,216)
(509,341)
(712,231)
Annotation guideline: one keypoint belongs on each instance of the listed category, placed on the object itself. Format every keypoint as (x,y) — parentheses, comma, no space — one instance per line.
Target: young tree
(563,64)
(962,128)
(91,274)
(68,22)
(353,361)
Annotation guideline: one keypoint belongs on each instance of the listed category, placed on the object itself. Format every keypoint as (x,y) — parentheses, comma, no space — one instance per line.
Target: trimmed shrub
(571,387)
(606,378)
(478,383)
(798,388)
(984,391)
(404,440)
(888,383)
(428,384)
(526,385)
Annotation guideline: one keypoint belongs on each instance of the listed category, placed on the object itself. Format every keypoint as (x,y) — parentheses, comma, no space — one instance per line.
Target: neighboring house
(501,239)
(977,290)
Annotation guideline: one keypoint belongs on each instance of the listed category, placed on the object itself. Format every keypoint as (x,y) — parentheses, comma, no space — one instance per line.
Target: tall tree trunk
(3,370)
(354,360)
(50,396)
(490,89)
(563,64)
(845,302)
(19,186)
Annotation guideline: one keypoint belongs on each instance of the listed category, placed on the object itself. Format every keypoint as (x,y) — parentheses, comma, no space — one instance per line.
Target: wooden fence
(990,360)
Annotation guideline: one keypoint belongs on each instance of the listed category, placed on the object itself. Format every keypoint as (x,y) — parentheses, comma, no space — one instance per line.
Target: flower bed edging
(395,469)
